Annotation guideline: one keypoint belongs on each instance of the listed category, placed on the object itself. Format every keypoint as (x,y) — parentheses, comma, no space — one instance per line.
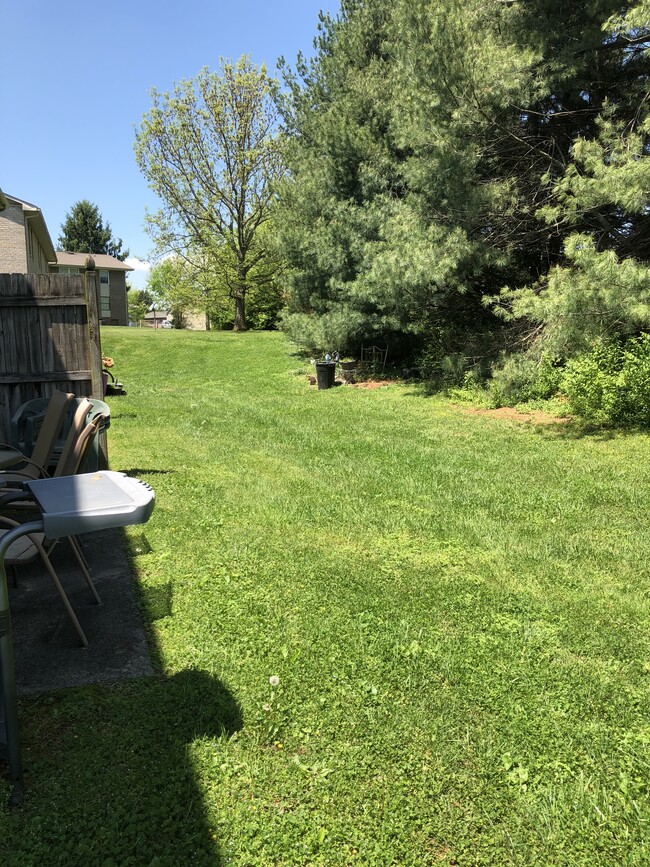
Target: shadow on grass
(573,430)
(138,472)
(122,414)
(110,777)
(112,771)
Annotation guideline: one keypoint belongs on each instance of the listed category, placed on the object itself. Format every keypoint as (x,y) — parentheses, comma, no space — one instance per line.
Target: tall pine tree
(84,231)
(436,151)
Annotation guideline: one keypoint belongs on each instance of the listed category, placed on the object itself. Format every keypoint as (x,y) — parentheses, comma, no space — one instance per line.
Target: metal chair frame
(33,545)
(373,356)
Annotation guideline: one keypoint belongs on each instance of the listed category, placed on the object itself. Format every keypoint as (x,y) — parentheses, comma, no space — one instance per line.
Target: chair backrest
(77,454)
(76,428)
(374,356)
(49,432)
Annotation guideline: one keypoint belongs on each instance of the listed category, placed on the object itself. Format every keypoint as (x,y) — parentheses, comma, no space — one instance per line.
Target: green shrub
(522,378)
(611,383)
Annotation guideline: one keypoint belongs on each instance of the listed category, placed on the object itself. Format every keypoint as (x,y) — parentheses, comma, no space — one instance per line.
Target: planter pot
(348,365)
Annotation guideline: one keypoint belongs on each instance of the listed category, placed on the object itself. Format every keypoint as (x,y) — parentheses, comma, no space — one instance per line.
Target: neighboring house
(26,248)
(195,321)
(113,307)
(192,321)
(25,243)
(155,318)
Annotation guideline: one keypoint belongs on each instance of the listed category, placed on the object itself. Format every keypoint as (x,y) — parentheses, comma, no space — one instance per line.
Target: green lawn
(457,609)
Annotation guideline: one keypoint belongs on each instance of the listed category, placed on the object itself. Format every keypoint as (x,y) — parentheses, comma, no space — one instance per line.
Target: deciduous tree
(139,301)
(170,282)
(209,150)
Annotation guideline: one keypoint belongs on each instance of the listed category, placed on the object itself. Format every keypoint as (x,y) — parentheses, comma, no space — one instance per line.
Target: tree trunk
(240,313)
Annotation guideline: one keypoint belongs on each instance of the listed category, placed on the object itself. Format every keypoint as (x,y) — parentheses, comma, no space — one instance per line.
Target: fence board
(47,339)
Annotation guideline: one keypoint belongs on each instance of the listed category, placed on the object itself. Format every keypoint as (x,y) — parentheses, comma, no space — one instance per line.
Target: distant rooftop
(102,260)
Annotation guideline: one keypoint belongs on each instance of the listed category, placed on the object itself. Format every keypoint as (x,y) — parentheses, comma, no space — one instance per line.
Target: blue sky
(76,78)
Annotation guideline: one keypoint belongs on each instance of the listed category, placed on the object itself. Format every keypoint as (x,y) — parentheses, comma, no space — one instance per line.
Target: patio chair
(79,440)
(52,422)
(27,419)
(75,449)
(29,548)
(37,470)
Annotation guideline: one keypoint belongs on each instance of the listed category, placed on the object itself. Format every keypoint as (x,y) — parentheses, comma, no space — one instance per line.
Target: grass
(456,609)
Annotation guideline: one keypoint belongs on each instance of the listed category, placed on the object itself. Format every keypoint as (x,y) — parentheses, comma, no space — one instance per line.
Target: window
(68,269)
(104,295)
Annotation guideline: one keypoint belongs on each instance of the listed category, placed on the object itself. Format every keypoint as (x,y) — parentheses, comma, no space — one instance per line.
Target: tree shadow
(573,430)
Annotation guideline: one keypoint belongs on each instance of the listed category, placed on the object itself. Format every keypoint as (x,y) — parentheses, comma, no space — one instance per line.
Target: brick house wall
(36,257)
(13,251)
(25,243)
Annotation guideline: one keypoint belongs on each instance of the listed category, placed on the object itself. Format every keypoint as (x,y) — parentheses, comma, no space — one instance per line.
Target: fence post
(92,299)
(96,366)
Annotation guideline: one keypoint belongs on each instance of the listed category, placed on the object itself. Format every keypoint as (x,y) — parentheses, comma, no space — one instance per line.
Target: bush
(449,359)
(611,384)
(440,372)
(339,330)
(522,378)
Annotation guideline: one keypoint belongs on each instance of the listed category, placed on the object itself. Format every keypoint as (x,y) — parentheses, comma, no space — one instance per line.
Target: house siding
(36,259)
(119,311)
(13,255)
(117,295)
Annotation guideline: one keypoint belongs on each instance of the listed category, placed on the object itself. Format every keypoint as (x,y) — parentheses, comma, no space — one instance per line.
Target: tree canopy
(451,161)
(598,204)
(84,231)
(170,283)
(139,301)
(209,151)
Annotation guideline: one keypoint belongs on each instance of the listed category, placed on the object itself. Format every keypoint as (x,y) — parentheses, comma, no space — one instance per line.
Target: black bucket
(325,371)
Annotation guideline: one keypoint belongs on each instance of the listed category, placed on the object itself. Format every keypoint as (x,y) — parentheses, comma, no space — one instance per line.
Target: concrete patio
(48,654)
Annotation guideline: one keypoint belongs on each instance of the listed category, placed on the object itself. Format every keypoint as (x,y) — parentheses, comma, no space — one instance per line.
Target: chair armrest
(44,473)
(10,446)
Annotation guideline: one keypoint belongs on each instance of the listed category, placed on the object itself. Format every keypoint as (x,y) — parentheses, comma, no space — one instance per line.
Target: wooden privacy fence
(49,339)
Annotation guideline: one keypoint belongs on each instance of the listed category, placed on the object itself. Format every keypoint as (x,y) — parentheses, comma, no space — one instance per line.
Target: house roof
(102,260)
(37,220)
(156,314)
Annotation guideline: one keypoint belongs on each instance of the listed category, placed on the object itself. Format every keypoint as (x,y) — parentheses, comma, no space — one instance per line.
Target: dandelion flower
(274,680)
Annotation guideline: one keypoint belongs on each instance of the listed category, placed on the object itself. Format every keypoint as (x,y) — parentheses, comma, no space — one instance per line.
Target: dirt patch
(370,383)
(508,413)
(366,383)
